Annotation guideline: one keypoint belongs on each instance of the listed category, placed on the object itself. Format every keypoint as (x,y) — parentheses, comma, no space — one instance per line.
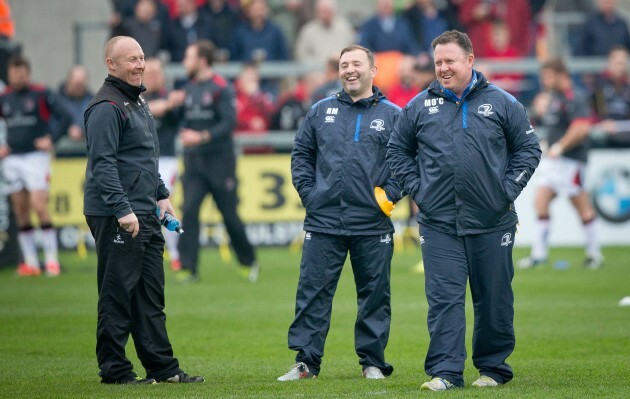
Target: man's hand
(75,132)
(176,98)
(44,143)
(4,151)
(192,138)
(130,224)
(384,203)
(166,206)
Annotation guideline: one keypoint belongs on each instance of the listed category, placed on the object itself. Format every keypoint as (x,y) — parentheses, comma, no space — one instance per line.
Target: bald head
(125,59)
(77,81)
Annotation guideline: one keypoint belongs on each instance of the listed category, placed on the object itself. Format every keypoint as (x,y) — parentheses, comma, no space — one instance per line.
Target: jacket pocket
(308,198)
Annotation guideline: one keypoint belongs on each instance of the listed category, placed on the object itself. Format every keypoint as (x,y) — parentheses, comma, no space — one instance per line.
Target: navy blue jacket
(464,161)
(338,159)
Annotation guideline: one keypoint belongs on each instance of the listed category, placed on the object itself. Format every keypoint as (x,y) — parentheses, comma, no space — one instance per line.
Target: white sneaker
(373,373)
(250,273)
(529,262)
(484,381)
(594,262)
(254,272)
(437,384)
(298,371)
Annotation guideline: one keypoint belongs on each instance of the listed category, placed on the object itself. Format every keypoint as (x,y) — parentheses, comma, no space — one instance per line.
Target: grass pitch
(573,340)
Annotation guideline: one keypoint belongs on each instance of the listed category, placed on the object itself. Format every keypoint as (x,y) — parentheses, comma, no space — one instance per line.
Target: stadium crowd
(312,32)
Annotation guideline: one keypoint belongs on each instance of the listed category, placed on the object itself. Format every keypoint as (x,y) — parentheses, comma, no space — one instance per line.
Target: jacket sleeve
(103,124)
(394,190)
(303,158)
(402,152)
(524,150)
(162,191)
(227,110)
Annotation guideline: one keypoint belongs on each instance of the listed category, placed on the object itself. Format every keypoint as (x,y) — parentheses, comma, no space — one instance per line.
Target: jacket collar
(376,96)
(478,80)
(133,92)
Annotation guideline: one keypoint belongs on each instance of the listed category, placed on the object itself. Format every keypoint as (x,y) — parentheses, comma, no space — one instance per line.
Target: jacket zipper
(357,128)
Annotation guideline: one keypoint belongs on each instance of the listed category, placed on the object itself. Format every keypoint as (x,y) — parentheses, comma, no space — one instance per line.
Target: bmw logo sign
(611,194)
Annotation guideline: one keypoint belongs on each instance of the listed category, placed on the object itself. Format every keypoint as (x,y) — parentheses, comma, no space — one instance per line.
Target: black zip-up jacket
(464,161)
(338,159)
(122,147)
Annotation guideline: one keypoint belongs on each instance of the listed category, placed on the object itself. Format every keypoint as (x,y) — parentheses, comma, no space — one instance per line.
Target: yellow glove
(384,203)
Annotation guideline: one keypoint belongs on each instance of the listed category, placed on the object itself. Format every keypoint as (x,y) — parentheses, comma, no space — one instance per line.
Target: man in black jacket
(122,190)
(339,170)
(464,149)
(209,119)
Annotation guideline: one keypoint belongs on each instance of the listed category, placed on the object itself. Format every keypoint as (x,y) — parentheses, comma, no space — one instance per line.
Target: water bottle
(169,222)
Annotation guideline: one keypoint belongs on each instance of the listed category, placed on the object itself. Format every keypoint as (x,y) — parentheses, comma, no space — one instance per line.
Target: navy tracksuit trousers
(131,299)
(323,257)
(484,260)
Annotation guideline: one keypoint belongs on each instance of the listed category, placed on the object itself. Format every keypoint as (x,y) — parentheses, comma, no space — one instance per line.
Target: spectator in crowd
(189,26)
(209,161)
(121,9)
(331,84)
(464,171)
(257,38)
(144,26)
(122,191)
(339,171)
(172,7)
(293,104)
(567,10)
(291,16)
(563,115)
(323,36)
(602,30)
(7,27)
(415,76)
(386,31)
(125,9)
(253,106)
(390,37)
(427,22)
(477,17)
(26,108)
(75,95)
(224,19)
(167,123)
(501,49)
(7,31)
(611,101)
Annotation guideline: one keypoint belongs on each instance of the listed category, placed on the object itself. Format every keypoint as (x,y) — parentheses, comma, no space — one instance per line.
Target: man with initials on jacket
(339,170)
(464,149)
(122,191)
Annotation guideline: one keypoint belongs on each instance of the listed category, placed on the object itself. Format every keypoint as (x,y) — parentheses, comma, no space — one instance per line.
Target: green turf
(573,341)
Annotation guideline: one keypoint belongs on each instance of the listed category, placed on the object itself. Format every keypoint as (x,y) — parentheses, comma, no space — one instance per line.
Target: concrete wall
(45,30)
